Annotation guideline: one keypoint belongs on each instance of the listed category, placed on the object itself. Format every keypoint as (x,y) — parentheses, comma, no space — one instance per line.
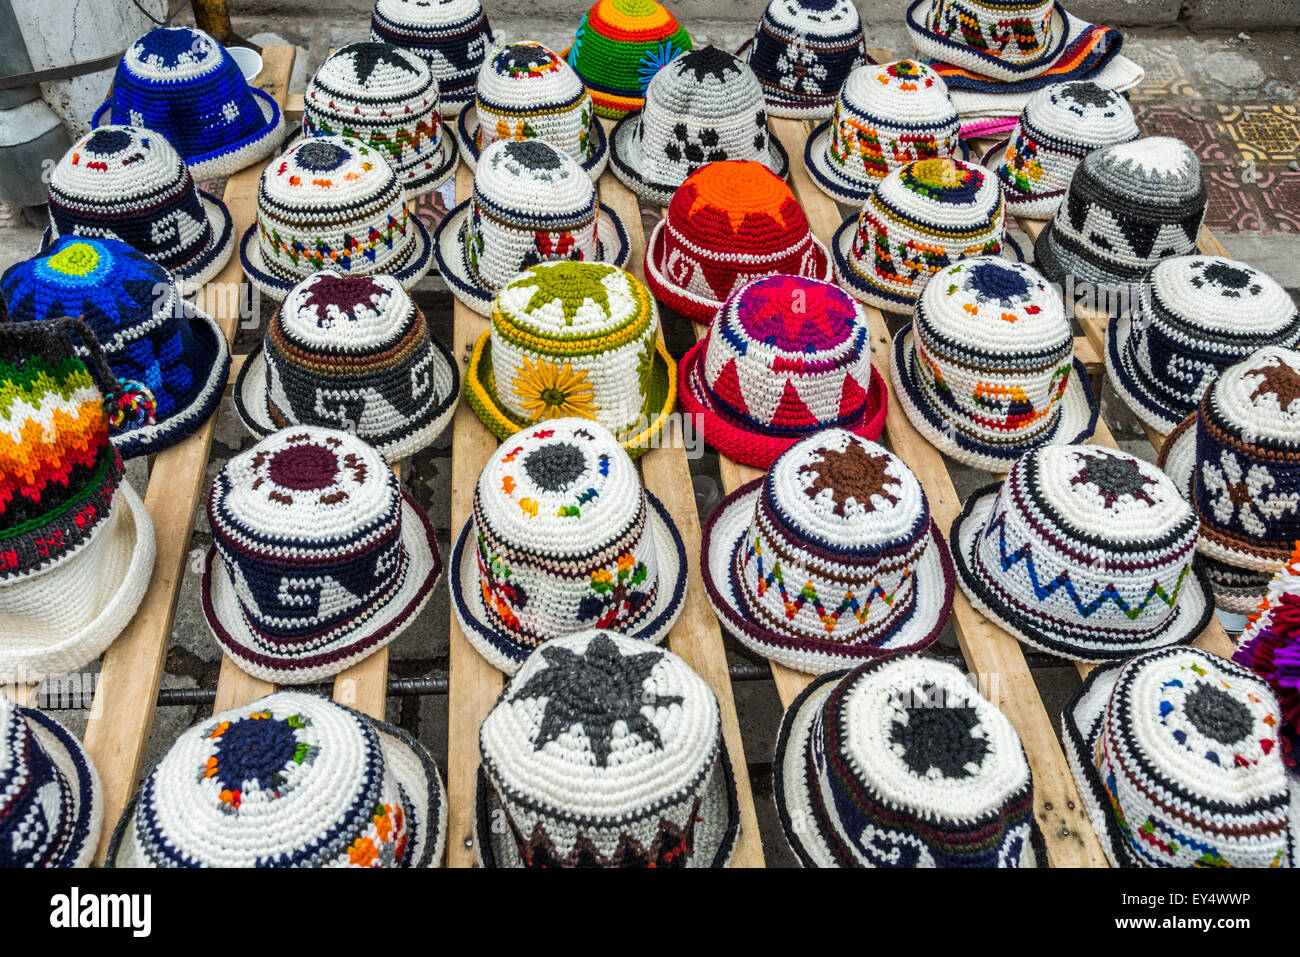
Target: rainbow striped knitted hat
(618,48)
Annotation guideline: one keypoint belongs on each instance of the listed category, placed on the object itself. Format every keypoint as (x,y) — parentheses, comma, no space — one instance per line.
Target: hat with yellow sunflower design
(574,339)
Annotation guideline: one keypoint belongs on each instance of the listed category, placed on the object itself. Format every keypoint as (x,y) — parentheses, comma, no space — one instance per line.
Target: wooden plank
(117,732)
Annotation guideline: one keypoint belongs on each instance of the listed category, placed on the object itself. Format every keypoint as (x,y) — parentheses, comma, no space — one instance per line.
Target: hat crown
(121,163)
(1156,160)
(330,314)
(37,811)
(1081,108)
(815,19)
(738,206)
(904,91)
(176,53)
(1221,299)
(1004,311)
(706,83)
(311,171)
(290,780)
(943,182)
(422,13)
(509,171)
(524,73)
(380,74)
(564,304)
(1258,399)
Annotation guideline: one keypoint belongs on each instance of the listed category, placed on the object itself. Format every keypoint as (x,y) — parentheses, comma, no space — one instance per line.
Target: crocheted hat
(574,339)
(318,557)
(604,751)
(728,224)
(830,559)
(1270,647)
(903,763)
(1128,206)
(802,52)
(563,539)
(452,36)
(183,85)
(1059,126)
(51,802)
(921,218)
(1084,552)
(1194,316)
(76,544)
(291,780)
(386,98)
(332,203)
(1237,459)
(351,353)
(149,334)
(885,117)
(1001,39)
(618,48)
(786,357)
(1177,760)
(986,370)
(703,107)
(128,184)
(526,92)
(532,203)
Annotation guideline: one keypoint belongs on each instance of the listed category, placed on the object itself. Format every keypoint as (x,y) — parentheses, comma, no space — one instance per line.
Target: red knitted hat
(729,223)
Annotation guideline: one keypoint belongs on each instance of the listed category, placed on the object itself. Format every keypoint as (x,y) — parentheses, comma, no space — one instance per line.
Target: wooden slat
(117,732)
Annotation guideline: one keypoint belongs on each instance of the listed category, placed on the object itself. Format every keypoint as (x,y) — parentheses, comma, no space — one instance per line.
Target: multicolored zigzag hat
(829,560)
(801,53)
(618,48)
(1002,39)
(563,539)
(452,36)
(903,763)
(604,751)
(290,780)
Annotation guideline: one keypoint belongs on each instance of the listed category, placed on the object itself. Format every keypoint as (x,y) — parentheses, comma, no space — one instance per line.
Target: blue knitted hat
(180,82)
(148,333)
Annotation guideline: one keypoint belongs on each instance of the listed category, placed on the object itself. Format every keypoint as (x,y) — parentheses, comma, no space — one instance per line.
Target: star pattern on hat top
(1086,94)
(569,283)
(597,690)
(1280,380)
(853,474)
(343,296)
(936,736)
(708,61)
(366,57)
(1114,478)
(306,465)
(1000,282)
(1229,280)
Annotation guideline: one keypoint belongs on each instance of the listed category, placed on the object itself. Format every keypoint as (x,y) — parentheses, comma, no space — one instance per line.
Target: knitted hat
(986,370)
(830,559)
(604,751)
(527,92)
(452,36)
(291,780)
(1084,552)
(1001,39)
(563,539)
(1237,459)
(386,98)
(1177,760)
(51,802)
(352,353)
(76,544)
(149,334)
(1128,207)
(885,117)
(618,48)
(1194,316)
(703,107)
(318,557)
(332,203)
(532,203)
(801,53)
(1270,647)
(128,184)
(786,358)
(728,224)
(903,763)
(922,218)
(1059,126)
(183,85)
(574,339)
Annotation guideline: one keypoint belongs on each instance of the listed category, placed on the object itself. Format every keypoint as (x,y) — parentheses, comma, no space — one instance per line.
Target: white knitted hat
(452,36)
(1001,39)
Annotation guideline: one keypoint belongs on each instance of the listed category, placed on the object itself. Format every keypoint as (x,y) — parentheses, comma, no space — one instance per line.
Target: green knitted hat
(619,46)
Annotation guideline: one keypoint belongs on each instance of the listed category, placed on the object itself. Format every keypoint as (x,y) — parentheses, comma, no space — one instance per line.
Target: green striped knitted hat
(619,46)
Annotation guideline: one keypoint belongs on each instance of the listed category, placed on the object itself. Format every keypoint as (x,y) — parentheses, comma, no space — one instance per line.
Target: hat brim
(225,615)
(437,171)
(451,251)
(626,162)
(506,651)
(212,363)
(1187,621)
(794,796)
(480,391)
(716,828)
(425,802)
(842,189)
(250,395)
(689,304)
(741,443)
(1075,420)
(985,64)
(1128,381)
(414,265)
(467,137)
(84,787)
(723,537)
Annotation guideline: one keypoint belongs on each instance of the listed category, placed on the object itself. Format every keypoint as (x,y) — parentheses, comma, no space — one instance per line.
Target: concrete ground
(1231,96)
